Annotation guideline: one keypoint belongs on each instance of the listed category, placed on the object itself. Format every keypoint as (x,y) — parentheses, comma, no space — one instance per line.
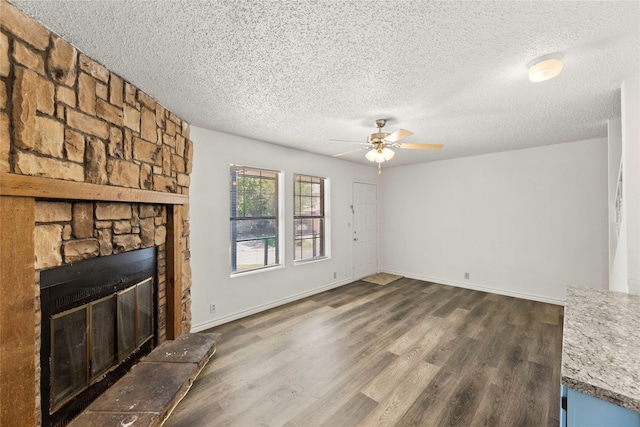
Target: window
(308,217)
(255,236)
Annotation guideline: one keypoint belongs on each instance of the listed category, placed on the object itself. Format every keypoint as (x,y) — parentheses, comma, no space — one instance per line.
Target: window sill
(256,271)
(311,260)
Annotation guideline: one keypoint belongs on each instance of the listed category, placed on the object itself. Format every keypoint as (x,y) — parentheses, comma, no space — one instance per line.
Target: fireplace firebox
(98,319)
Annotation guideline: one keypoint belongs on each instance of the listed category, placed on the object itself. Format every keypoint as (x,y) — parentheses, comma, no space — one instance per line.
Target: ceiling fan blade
(398,135)
(349,142)
(420,146)
(349,152)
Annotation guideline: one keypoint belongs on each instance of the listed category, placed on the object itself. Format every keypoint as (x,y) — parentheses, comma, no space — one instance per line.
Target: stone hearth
(146,396)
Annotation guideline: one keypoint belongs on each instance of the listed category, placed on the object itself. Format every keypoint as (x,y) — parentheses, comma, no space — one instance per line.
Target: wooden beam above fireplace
(47,188)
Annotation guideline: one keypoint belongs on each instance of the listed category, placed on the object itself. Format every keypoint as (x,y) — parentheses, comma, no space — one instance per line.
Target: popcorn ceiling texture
(301,73)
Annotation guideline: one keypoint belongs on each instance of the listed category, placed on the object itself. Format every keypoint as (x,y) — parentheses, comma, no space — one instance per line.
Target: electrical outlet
(466,275)
(212,308)
(335,274)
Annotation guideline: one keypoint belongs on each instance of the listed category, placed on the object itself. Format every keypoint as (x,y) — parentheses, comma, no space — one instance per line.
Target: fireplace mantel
(17,308)
(47,188)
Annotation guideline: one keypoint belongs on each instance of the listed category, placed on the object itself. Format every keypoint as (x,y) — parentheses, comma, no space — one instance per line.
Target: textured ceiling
(299,73)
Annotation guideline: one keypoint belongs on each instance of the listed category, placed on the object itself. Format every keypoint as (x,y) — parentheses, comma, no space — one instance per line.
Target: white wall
(630,91)
(618,279)
(614,145)
(522,223)
(625,274)
(236,297)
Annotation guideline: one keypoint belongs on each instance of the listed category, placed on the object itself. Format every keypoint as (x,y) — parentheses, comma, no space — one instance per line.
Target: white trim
(244,313)
(310,260)
(256,270)
(476,287)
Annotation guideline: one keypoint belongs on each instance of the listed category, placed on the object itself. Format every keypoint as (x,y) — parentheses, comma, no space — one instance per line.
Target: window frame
(277,217)
(324,216)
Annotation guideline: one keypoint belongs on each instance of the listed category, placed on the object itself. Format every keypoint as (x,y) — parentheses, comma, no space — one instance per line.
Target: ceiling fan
(380,143)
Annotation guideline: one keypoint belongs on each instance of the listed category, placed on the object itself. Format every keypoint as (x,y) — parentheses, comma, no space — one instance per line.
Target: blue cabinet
(587,411)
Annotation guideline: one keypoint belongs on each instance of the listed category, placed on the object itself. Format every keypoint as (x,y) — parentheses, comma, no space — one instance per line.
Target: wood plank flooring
(410,353)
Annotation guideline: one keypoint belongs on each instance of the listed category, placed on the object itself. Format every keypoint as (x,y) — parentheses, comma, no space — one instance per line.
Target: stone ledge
(146,395)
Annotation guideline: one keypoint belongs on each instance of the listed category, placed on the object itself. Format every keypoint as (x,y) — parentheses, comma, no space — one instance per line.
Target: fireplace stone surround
(90,165)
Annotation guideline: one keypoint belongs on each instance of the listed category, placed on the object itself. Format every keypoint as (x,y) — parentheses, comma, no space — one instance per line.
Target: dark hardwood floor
(410,353)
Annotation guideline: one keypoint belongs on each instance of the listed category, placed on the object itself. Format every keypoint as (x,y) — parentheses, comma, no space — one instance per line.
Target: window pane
(305,189)
(305,205)
(256,244)
(316,206)
(253,192)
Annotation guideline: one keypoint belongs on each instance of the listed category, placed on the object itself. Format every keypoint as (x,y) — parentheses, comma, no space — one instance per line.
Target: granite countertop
(601,345)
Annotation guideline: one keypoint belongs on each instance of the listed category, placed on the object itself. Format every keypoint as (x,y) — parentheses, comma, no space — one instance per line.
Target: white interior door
(365,230)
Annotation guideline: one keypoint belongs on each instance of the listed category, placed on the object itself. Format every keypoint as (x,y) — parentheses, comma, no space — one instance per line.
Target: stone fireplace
(90,167)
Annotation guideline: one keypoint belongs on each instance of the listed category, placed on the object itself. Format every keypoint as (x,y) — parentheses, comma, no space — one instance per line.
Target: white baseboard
(476,287)
(244,313)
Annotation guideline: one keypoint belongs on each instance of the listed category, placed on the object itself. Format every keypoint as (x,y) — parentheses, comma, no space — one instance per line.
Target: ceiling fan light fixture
(371,155)
(388,153)
(380,155)
(545,68)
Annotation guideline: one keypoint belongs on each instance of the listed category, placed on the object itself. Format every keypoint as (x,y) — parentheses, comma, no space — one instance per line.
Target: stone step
(148,393)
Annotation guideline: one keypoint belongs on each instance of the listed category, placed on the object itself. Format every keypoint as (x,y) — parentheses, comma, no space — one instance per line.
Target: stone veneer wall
(65,116)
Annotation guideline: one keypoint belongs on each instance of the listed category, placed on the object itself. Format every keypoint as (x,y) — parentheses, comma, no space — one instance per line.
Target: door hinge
(564,402)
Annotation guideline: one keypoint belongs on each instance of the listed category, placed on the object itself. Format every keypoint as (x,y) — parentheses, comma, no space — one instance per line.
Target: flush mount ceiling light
(545,68)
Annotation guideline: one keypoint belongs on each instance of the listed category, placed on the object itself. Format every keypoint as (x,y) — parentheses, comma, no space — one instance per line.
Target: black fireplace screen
(89,340)
(98,318)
